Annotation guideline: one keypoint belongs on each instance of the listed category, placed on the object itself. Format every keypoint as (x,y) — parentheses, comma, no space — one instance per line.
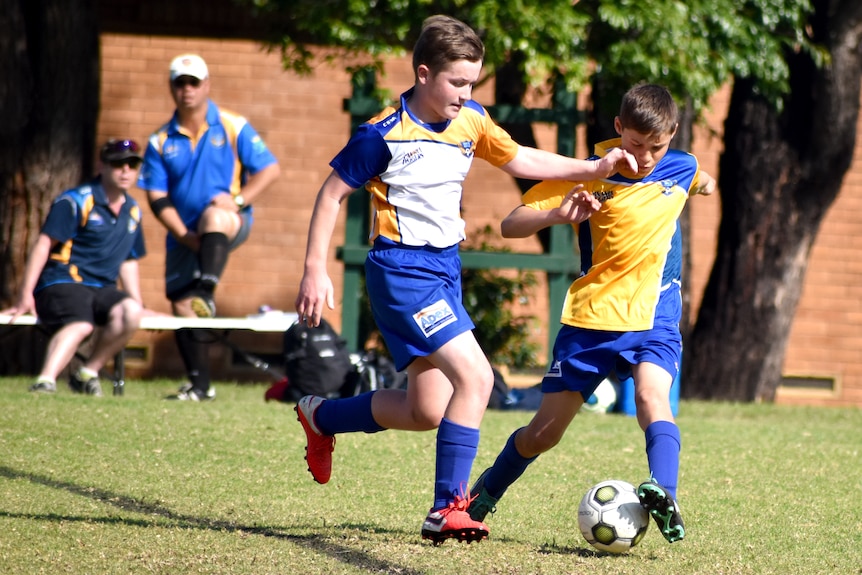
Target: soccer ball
(603,398)
(611,518)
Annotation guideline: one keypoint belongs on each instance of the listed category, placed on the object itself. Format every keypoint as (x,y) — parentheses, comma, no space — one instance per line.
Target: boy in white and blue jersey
(623,313)
(413,159)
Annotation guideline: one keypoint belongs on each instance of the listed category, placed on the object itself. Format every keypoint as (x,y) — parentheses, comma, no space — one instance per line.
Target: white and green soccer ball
(603,399)
(611,517)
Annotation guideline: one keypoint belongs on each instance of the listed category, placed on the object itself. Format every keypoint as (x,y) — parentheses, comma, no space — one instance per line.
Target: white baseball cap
(189,65)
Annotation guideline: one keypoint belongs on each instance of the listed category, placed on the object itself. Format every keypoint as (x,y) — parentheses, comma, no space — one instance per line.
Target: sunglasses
(133,163)
(184,81)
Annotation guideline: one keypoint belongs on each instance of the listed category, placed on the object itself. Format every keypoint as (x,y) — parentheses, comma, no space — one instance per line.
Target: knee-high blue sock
(663,444)
(347,415)
(508,467)
(456,449)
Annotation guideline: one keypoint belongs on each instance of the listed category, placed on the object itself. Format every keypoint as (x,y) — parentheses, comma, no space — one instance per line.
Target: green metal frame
(562,261)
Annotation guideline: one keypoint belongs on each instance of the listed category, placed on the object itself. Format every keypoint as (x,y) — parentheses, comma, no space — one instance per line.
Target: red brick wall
(301,119)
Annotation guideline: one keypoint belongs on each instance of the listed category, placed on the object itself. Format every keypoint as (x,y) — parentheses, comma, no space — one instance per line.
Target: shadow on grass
(314,542)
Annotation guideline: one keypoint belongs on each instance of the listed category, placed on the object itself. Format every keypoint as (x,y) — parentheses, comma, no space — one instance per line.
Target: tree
(49,62)
(781,171)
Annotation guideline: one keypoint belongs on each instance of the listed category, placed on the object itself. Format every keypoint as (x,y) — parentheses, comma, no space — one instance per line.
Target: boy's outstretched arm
(523,221)
(536,164)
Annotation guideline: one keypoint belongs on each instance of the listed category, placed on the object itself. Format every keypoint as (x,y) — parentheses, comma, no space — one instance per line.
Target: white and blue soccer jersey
(194,168)
(94,242)
(631,249)
(415,171)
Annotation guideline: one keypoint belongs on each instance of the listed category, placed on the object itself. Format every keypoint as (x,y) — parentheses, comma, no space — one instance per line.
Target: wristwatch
(239,201)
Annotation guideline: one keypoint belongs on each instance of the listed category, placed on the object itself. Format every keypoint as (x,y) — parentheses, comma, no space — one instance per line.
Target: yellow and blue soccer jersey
(94,242)
(415,171)
(194,168)
(631,249)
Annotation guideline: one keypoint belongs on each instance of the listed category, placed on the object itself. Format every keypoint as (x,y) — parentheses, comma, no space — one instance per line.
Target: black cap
(120,150)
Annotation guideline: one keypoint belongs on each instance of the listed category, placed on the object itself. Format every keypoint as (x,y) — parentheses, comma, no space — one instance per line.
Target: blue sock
(456,449)
(663,444)
(347,415)
(508,467)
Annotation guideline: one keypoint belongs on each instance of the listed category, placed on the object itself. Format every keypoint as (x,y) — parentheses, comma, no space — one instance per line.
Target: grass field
(137,484)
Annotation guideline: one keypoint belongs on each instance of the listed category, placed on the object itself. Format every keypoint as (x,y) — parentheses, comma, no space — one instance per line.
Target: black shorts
(61,304)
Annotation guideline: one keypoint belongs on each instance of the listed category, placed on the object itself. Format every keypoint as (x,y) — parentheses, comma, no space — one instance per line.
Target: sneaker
(663,508)
(89,386)
(318,452)
(454,522)
(481,503)
(187,387)
(203,306)
(43,387)
(194,394)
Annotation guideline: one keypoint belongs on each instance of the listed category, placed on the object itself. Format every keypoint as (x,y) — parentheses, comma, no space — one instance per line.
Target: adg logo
(434,317)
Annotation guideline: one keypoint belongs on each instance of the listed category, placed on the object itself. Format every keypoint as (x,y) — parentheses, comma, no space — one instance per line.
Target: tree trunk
(49,102)
(779,174)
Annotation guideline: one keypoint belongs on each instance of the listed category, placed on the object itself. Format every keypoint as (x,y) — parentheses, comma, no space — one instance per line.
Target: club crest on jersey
(667,186)
(217,140)
(434,317)
(466,148)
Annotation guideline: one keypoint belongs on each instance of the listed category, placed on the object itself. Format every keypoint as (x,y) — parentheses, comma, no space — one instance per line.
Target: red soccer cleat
(453,522)
(318,452)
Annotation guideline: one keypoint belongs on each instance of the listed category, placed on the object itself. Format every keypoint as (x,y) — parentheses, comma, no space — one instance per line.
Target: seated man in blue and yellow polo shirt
(91,238)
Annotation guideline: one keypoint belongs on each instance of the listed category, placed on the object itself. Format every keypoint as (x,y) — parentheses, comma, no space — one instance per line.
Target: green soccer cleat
(664,509)
(481,503)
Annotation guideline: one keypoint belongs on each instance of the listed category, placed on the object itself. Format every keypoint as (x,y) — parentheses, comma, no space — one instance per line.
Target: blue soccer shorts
(584,357)
(415,295)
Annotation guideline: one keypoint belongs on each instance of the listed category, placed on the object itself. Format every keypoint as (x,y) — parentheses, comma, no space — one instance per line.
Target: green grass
(136,484)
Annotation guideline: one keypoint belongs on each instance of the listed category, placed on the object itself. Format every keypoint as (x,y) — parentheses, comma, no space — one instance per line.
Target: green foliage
(489,295)
(692,47)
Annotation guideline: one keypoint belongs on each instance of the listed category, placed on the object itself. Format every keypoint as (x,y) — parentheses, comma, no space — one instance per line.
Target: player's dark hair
(649,109)
(444,40)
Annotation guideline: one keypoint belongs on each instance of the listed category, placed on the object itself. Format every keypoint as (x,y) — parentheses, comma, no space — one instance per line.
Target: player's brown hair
(649,109)
(444,40)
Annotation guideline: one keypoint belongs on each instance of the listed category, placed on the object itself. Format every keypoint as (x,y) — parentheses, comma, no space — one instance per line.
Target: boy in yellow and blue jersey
(623,313)
(413,159)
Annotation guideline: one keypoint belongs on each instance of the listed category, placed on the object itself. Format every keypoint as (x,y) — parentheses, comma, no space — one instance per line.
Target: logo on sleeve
(434,317)
(555,370)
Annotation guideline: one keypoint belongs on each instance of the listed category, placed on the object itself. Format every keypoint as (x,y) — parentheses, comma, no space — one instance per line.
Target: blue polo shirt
(194,168)
(93,241)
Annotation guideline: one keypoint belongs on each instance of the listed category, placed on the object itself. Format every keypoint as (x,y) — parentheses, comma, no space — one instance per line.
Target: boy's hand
(615,160)
(577,206)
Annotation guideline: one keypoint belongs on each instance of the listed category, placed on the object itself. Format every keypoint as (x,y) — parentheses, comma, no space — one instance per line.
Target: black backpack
(316,361)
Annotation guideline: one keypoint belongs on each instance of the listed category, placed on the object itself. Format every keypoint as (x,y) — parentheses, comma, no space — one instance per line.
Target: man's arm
(130,279)
(35,264)
(168,216)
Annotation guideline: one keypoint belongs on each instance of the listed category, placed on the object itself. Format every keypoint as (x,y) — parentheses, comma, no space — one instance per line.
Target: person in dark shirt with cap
(91,237)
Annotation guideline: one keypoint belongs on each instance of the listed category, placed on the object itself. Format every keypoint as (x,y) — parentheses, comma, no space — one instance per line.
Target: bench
(266,322)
